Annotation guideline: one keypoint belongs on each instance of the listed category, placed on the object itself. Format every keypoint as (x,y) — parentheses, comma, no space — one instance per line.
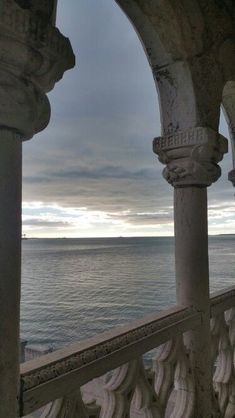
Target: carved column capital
(34,55)
(191,156)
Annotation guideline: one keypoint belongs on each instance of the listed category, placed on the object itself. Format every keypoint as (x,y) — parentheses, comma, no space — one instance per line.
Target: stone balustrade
(183,41)
(120,384)
(223,345)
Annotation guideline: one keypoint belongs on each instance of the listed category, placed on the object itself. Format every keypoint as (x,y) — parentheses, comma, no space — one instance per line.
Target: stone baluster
(119,391)
(230,410)
(215,325)
(184,405)
(71,406)
(224,376)
(34,55)
(164,369)
(224,364)
(215,334)
(145,401)
(128,392)
(191,158)
(174,380)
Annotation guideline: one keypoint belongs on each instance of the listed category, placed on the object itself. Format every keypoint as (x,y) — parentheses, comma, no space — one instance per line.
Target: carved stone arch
(228,105)
(173,38)
(181,53)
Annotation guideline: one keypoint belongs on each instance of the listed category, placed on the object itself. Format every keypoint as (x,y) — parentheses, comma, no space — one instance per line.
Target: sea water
(73,289)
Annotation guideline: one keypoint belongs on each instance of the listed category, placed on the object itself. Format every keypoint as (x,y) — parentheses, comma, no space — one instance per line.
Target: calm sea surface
(75,288)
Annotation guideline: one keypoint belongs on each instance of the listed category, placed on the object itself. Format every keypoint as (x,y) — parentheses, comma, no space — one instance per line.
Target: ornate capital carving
(24,107)
(34,56)
(191,156)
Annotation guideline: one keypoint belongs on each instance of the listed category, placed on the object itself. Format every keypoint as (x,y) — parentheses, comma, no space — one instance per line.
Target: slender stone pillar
(192,283)
(34,55)
(191,158)
(10,260)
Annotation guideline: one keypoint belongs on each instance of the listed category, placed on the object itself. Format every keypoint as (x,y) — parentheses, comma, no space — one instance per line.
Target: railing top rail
(222,301)
(59,373)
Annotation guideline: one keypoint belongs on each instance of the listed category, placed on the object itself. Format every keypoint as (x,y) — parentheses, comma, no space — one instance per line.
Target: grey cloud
(47,224)
(97,151)
(148,219)
(105,172)
(107,196)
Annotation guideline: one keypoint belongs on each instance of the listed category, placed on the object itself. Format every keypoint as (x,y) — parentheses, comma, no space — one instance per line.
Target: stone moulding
(60,373)
(190,137)
(191,156)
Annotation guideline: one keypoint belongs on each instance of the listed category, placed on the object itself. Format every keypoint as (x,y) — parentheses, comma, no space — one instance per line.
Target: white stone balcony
(106,377)
(190,48)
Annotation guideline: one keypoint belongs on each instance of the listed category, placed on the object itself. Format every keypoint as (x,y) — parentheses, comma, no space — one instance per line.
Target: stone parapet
(191,156)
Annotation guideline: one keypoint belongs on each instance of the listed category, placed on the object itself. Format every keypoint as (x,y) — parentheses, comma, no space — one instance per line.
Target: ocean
(73,289)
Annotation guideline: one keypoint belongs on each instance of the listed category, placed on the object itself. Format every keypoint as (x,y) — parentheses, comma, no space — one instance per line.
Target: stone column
(191,165)
(34,55)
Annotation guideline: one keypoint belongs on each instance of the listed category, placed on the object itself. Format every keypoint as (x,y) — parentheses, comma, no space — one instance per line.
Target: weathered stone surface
(42,8)
(191,50)
(231,177)
(34,56)
(229,112)
(191,156)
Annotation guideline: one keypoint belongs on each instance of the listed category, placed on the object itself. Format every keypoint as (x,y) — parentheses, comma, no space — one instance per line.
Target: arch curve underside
(191,50)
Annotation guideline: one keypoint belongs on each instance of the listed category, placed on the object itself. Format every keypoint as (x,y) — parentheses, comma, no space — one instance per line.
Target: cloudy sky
(92,171)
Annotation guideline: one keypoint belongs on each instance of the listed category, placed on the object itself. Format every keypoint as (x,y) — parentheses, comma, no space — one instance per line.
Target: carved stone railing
(59,375)
(106,376)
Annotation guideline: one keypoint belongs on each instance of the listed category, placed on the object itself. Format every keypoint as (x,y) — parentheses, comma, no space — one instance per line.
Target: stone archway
(188,45)
(190,48)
